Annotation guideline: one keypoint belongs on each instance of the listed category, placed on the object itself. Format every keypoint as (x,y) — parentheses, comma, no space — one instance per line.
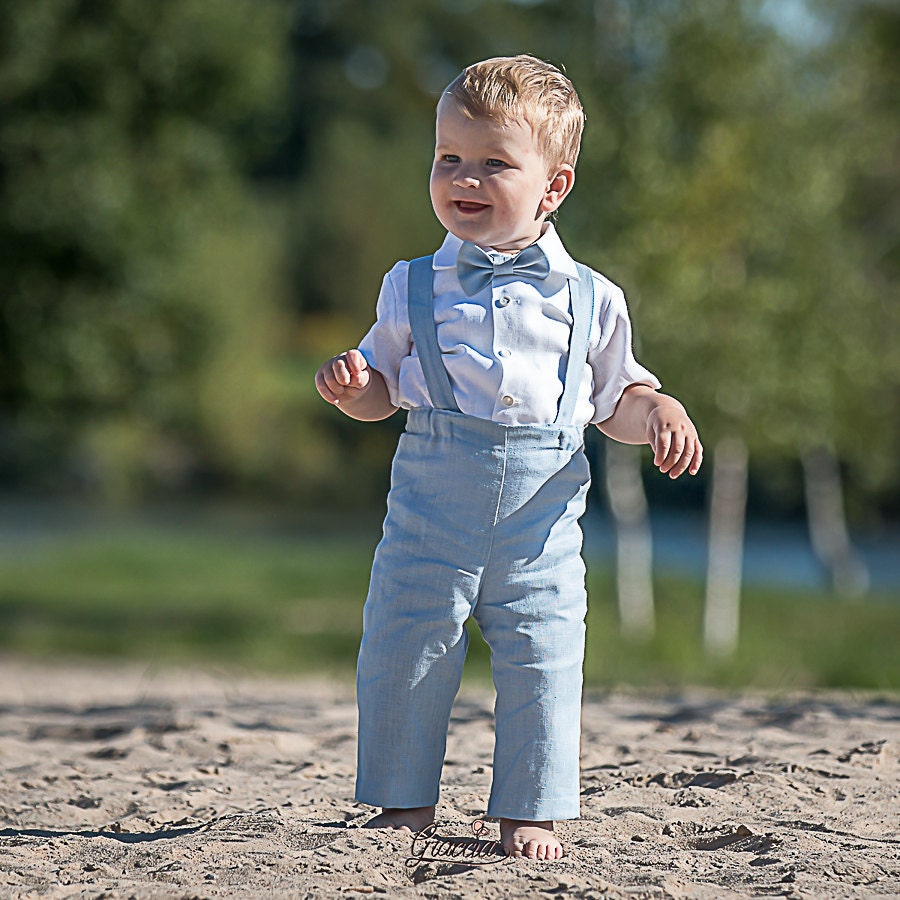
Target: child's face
(490,183)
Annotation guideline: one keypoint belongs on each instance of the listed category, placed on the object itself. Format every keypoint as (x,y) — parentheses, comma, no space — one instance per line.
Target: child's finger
(663,443)
(356,362)
(675,454)
(341,371)
(684,460)
(323,387)
(690,460)
(358,368)
(697,461)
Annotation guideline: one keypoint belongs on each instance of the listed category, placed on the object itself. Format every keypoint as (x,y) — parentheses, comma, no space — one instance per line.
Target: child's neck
(512,251)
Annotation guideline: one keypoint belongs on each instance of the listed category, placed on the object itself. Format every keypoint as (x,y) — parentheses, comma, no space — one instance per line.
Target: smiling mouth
(469,206)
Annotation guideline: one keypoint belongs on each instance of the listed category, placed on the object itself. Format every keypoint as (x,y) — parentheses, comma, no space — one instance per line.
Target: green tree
(125,132)
(738,145)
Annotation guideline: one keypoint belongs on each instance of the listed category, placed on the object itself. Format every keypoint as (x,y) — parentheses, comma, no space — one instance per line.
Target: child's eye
(450,158)
(496,163)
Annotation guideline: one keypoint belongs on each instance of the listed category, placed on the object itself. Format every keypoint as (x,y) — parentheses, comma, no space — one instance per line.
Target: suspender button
(508,400)
(503,301)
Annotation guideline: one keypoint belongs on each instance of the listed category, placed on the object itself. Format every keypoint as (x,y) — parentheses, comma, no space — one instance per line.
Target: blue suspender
(582,293)
(420,293)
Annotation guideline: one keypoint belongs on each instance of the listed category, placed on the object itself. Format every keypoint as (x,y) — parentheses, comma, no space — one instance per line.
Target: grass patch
(184,596)
(789,639)
(293,603)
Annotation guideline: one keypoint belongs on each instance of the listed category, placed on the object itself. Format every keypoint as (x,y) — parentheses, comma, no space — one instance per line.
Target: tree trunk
(726,547)
(634,542)
(828,524)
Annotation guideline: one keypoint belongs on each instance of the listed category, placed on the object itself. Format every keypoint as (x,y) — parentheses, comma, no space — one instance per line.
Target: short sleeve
(389,341)
(611,355)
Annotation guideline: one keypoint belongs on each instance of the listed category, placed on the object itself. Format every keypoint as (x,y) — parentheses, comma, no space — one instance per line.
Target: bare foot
(414,819)
(533,840)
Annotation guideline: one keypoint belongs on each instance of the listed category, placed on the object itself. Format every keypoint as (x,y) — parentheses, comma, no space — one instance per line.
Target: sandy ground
(122,782)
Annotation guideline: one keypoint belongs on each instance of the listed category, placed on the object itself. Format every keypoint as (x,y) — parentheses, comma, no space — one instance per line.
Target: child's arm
(644,416)
(354,387)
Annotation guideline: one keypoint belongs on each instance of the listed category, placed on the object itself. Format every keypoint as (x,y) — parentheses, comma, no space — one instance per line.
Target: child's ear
(558,188)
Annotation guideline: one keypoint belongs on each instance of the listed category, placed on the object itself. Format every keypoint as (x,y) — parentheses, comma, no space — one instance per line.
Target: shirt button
(507,400)
(503,301)
(504,353)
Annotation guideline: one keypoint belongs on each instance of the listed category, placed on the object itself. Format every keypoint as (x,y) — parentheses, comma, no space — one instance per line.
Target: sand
(130,782)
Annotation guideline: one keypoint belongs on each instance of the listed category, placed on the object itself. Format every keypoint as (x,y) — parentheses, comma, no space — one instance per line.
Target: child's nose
(466,179)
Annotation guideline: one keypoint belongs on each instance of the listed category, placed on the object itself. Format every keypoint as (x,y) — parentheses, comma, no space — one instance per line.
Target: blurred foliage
(228,593)
(126,131)
(759,297)
(200,200)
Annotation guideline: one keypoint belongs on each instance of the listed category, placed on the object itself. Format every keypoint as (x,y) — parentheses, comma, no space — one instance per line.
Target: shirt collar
(549,242)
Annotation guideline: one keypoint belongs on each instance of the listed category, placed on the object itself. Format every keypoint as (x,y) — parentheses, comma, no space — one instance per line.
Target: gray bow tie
(475,268)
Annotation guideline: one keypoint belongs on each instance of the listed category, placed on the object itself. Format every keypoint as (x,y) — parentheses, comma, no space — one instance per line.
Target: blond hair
(511,88)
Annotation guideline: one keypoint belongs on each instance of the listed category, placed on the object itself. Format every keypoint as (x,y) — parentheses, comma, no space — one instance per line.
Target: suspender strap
(420,293)
(582,294)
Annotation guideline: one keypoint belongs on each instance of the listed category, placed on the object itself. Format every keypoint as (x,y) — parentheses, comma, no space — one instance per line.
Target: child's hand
(346,377)
(674,439)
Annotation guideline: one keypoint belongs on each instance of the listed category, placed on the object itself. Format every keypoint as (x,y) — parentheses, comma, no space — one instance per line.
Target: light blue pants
(482,521)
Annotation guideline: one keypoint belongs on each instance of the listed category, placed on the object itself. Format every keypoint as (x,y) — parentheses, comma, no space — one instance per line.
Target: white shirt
(506,348)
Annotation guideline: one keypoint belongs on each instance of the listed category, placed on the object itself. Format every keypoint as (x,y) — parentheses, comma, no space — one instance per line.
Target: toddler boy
(503,349)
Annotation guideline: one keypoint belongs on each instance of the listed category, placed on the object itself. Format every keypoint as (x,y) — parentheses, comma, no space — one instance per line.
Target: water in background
(775,553)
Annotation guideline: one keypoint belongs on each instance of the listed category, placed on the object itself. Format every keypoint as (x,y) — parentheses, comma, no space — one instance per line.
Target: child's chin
(466,231)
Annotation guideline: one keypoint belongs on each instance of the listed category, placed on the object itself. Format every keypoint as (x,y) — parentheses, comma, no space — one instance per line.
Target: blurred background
(199,200)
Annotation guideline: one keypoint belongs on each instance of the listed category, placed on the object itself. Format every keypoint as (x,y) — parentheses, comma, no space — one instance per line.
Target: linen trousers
(483,521)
